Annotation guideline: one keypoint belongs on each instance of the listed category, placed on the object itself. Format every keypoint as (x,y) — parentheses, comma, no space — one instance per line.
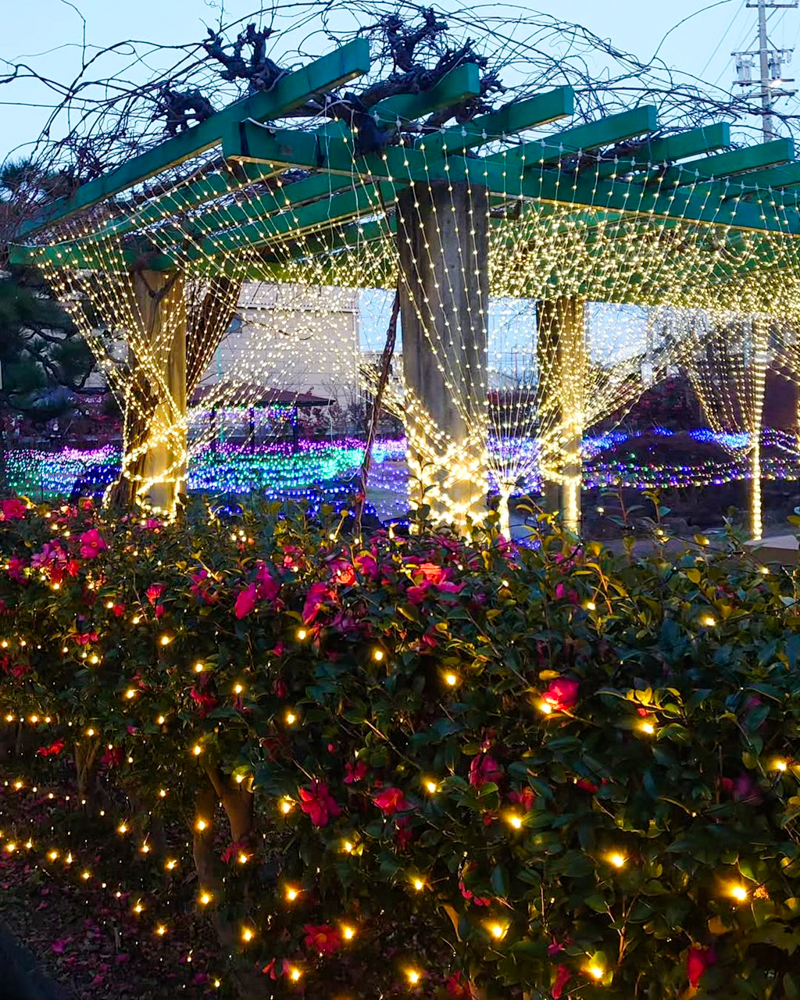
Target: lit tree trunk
(443,244)
(154,459)
(760,362)
(562,372)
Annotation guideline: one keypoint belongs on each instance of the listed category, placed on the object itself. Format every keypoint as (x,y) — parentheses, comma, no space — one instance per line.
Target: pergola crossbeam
(290,92)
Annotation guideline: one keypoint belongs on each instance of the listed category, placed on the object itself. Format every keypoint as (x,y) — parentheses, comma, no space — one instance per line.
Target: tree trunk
(154,459)
(239,809)
(86,752)
(443,245)
(561,354)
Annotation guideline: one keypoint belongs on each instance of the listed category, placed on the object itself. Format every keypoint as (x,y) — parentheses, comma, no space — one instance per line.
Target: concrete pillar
(443,244)
(562,362)
(154,460)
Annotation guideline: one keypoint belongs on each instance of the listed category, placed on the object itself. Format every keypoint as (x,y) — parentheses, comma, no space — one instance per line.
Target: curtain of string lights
(543,226)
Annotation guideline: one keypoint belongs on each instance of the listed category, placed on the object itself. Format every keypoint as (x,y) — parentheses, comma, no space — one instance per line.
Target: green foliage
(579,759)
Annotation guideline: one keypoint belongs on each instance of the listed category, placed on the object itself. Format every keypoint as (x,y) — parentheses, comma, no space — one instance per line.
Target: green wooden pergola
(253,196)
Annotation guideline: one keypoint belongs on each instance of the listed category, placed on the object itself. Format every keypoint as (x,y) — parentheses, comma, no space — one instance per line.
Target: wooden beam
(722,165)
(581,138)
(670,148)
(514,117)
(322,214)
(290,92)
(459,84)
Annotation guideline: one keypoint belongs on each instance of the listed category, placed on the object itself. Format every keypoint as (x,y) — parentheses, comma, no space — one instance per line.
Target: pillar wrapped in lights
(443,247)
(562,373)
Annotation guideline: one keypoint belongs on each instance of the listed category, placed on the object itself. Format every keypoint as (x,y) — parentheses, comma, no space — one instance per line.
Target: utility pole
(770,62)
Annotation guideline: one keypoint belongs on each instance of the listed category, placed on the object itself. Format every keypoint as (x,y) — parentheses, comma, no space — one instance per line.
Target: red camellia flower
(318,804)
(483,769)
(563,976)
(204,699)
(154,591)
(12,509)
(562,695)
(697,961)
(525,798)
(390,801)
(458,987)
(53,750)
(354,772)
(470,896)
(92,544)
(322,938)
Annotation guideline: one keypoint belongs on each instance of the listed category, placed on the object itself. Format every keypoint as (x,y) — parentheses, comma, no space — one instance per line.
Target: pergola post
(760,329)
(443,244)
(154,459)
(562,357)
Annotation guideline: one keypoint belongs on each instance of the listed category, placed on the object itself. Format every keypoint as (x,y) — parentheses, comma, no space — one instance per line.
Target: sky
(48,35)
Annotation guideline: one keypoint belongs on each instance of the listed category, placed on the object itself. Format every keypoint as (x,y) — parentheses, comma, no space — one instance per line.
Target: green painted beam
(722,165)
(514,117)
(459,84)
(317,215)
(670,148)
(581,138)
(289,93)
(761,181)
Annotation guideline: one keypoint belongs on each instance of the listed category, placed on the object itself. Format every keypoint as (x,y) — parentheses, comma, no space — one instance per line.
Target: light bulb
(301,634)
(431,786)
(617,860)
(291,718)
(418,884)
(205,898)
(451,679)
(165,640)
(596,972)
(413,976)
(200,825)
(247,935)
(497,931)
(348,933)
(515,821)
(161,930)
(647,727)
(197,749)
(739,893)
(378,655)
(291,894)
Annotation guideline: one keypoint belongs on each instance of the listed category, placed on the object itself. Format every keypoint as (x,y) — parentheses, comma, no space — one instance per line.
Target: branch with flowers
(418,765)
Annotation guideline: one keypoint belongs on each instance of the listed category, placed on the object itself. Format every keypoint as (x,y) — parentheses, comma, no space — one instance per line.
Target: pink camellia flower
(12,509)
(525,798)
(92,544)
(562,695)
(587,786)
(563,976)
(354,772)
(280,688)
(318,804)
(268,586)
(204,699)
(154,591)
(50,555)
(743,789)
(367,564)
(319,594)
(697,961)
(112,757)
(391,800)
(234,849)
(245,601)
(564,592)
(119,610)
(322,938)
(53,750)
(483,769)
(16,569)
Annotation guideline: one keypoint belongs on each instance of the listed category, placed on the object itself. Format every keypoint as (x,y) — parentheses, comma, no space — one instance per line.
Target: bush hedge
(420,765)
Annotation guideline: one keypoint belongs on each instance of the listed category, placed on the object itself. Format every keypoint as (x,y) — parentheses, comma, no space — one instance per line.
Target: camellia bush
(417,765)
